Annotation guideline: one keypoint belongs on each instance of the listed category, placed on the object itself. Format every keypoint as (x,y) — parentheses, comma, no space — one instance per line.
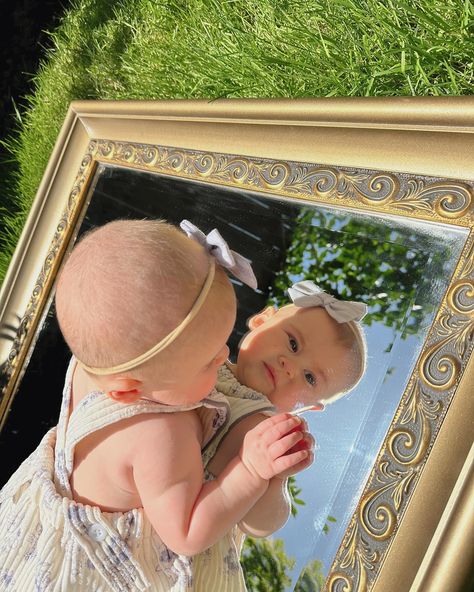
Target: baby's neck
(82,385)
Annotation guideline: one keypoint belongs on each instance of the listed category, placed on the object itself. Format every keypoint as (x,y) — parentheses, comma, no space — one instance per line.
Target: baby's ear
(260,318)
(124,390)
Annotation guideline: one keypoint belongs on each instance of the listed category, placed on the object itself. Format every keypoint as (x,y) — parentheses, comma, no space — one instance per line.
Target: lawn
(166,49)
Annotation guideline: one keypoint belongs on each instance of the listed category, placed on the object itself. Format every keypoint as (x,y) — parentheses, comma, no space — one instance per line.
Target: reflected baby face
(293,356)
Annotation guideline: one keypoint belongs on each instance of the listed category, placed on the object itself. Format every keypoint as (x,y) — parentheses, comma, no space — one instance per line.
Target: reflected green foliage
(265,564)
(294,491)
(326,526)
(266,567)
(311,578)
(354,259)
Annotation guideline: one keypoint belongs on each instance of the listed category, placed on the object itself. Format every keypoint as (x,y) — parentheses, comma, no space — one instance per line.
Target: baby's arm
(190,516)
(270,512)
(272,509)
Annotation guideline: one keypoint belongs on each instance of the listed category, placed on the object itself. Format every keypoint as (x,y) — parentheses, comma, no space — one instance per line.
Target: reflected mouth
(269,372)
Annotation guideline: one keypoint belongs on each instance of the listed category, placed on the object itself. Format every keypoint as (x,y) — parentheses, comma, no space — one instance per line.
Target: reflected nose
(222,355)
(287,366)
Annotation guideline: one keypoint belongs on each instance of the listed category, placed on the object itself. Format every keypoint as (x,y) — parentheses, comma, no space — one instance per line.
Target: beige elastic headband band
(166,340)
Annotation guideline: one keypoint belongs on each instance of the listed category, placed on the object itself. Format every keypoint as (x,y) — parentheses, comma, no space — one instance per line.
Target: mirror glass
(399,267)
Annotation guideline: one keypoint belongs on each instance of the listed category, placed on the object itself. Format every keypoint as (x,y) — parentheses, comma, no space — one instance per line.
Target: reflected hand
(306,443)
(273,446)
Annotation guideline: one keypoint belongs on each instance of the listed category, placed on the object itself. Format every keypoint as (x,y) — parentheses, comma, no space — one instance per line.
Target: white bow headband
(218,248)
(306,293)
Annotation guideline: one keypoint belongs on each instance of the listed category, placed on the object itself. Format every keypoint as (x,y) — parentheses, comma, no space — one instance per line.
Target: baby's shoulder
(151,427)
(145,438)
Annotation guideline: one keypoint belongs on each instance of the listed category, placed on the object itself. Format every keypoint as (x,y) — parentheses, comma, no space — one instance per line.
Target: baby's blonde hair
(125,286)
(351,335)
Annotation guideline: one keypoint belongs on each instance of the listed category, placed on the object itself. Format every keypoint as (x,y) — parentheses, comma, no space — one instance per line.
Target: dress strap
(61,478)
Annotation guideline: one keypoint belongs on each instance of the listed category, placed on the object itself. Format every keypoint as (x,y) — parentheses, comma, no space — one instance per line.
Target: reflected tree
(326,526)
(311,578)
(354,259)
(266,564)
(294,491)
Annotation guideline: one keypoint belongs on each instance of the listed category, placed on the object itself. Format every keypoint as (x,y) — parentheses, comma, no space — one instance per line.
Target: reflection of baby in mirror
(309,353)
(114,495)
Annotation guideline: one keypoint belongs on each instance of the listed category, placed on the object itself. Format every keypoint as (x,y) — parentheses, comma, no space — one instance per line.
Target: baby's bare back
(102,474)
(103,469)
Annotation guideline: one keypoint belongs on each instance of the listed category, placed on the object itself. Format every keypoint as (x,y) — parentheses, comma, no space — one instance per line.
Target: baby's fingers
(284,444)
(281,422)
(301,466)
(288,461)
(307,442)
(277,426)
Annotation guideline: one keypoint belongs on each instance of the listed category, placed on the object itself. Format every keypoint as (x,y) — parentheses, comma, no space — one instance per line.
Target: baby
(114,496)
(309,353)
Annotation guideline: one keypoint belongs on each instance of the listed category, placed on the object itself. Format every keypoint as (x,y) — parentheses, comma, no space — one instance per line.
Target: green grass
(156,49)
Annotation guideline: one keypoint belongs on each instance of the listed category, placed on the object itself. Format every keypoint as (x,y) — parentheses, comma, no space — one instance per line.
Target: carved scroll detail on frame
(421,197)
(357,562)
(30,318)
(411,435)
(433,382)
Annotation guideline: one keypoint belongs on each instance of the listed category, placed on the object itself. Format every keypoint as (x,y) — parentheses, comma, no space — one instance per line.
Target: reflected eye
(310,378)
(293,344)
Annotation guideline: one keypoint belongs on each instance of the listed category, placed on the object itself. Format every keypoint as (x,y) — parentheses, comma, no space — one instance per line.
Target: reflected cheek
(282,401)
(292,398)
(254,345)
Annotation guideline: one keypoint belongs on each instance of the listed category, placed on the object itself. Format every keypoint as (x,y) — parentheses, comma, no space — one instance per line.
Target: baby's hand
(307,442)
(270,448)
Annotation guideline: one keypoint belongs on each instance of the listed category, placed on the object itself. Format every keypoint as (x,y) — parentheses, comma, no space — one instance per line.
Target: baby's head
(129,284)
(301,356)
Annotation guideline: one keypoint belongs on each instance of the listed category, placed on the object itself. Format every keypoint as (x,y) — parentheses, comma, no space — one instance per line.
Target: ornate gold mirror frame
(404,157)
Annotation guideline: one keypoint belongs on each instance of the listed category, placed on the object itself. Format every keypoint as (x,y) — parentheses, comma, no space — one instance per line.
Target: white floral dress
(50,543)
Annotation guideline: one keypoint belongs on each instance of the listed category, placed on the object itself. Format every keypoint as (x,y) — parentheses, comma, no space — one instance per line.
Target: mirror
(399,269)
(389,224)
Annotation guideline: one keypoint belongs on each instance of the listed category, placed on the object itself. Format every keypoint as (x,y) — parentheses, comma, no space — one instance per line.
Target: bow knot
(219,249)
(306,293)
